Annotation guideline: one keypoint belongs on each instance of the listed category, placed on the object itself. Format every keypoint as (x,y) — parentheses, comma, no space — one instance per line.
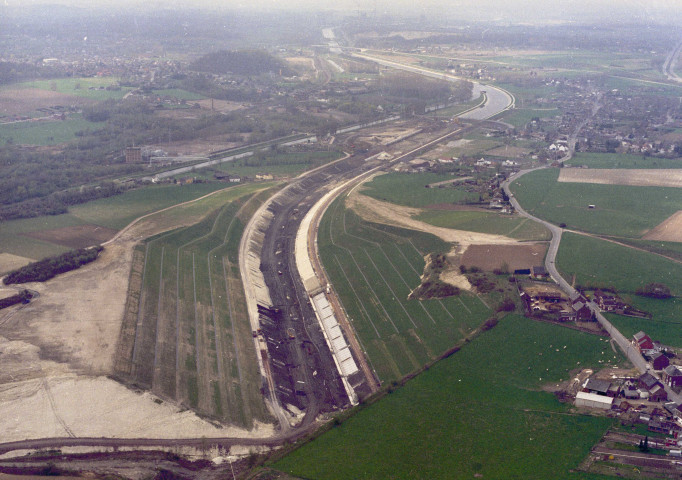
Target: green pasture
(620,210)
(617,160)
(480,411)
(179,94)
(521,116)
(409,190)
(374,268)
(119,211)
(79,87)
(602,263)
(48,132)
(192,284)
(486,222)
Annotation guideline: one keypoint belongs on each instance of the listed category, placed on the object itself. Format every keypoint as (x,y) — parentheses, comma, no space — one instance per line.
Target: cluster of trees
(432,286)
(654,290)
(48,268)
(241,62)
(22,297)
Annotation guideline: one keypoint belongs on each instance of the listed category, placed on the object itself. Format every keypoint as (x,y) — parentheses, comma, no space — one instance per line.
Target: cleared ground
(24,100)
(668,231)
(79,236)
(9,262)
(632,177)
(513,257)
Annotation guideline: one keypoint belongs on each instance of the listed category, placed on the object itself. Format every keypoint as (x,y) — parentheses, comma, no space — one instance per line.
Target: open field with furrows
(193,340)
(618,210)
(373,268)
(617,160)
(478,413)
(629,176)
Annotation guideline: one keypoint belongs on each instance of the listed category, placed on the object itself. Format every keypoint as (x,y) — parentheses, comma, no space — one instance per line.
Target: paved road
(671,63)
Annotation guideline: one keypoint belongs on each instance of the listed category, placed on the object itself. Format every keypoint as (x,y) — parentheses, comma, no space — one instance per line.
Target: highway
(671,63)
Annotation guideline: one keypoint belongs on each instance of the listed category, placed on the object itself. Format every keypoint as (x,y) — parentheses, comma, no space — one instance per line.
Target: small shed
(592,400)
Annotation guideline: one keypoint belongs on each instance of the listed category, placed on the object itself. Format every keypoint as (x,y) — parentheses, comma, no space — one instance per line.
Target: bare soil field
(9,262)
(79,236)
(669,230)
(631,177)
(514,257)
(17,101)
(221,106)
(507,151)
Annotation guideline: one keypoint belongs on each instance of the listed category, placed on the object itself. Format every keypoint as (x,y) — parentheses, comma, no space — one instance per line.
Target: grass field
(50,132)
(479,411)
(193,341)
(374,268)
(521,116)
(486,222)
(70,86)
(617,160)
(409,190)
(119,211)
(594,261)
(113,212)
(621,210)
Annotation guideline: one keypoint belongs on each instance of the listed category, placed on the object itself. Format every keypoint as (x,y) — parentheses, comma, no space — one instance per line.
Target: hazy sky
(513,10)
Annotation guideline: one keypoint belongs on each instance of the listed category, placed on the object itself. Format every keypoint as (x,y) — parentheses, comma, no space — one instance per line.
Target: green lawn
(479,411)
(49,132)
(521,116)
(621,210)
(409,189)
(486,222)
(598,262)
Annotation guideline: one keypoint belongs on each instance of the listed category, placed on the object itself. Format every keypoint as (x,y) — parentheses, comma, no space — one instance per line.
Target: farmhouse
(608,303)
(600,387)
(672,376)
(659,361)
(642,341)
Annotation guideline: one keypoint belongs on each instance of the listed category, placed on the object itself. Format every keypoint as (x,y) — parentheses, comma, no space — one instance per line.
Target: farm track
(613,240)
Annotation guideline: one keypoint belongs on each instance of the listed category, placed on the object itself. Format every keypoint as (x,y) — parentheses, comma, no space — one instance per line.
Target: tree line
(49,267)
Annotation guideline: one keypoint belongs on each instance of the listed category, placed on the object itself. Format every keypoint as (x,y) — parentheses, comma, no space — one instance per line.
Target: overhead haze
(515,11)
